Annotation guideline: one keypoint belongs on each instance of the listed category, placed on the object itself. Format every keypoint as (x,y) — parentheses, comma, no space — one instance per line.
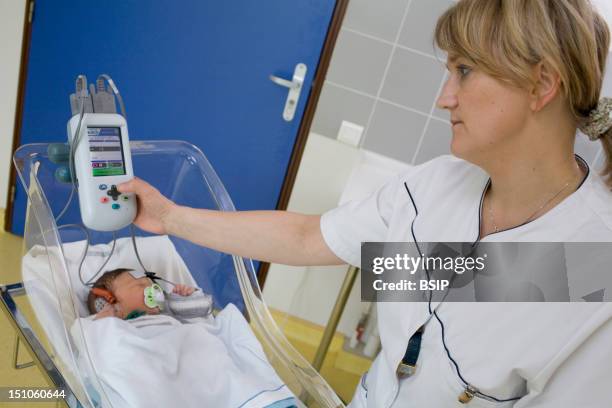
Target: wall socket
(350,133)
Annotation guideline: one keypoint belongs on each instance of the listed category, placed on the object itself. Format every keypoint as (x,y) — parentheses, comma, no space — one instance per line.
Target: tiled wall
(385,76)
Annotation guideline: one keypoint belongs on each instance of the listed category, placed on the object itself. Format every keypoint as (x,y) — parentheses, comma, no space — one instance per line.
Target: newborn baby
(167,342)
(119,294)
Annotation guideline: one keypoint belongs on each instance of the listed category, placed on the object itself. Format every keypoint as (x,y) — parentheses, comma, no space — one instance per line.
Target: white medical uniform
(555,354)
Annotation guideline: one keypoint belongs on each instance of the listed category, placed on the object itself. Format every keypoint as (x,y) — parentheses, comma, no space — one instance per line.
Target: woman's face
(487,116)
(129,293)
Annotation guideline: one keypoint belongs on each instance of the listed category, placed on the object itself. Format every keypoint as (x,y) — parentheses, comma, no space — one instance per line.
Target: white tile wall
(385,75)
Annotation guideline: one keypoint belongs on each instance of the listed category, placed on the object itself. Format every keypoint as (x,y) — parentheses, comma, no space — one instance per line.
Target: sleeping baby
(161,344)
(120,293)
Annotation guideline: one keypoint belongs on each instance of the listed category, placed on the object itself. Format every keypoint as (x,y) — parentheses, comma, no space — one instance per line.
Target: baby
(168,341)
(119,294)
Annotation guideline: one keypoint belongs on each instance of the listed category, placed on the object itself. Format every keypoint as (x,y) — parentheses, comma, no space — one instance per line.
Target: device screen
(106,151)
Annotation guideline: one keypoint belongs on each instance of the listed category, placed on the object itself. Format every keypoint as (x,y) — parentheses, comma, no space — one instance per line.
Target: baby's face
(129,293)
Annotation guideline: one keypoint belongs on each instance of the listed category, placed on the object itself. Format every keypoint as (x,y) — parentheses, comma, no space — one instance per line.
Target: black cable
(435,313)
(417,245)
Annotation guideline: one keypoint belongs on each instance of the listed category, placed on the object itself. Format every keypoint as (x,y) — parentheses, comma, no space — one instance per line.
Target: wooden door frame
(26,36)
(298,148)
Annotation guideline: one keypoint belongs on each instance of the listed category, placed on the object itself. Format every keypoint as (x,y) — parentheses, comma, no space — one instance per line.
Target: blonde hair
(506,38)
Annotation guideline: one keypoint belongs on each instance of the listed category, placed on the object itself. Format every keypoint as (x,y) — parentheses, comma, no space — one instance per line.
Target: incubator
(57,298)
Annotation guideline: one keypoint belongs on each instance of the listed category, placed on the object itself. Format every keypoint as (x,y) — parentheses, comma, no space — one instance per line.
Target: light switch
(350,133)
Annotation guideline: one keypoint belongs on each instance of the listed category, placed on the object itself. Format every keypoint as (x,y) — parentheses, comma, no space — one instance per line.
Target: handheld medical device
(100,151)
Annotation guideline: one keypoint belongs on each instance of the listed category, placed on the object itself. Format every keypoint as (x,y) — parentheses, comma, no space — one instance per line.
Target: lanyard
(407,367)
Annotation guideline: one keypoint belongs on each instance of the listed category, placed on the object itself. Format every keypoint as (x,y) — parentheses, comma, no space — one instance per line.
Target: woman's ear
(546,86)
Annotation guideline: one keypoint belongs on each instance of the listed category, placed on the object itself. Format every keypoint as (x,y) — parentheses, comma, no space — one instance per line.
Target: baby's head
(127,291)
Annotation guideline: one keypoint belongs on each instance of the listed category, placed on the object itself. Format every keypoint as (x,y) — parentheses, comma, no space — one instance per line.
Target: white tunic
(555,354)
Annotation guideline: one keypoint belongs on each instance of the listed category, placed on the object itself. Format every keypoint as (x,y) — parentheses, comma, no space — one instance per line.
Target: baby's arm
(183,290)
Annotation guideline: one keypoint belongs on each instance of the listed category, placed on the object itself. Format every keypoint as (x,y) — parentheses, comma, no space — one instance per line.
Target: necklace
(495,229)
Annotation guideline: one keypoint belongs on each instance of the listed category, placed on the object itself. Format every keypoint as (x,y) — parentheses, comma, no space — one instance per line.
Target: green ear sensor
(154,296)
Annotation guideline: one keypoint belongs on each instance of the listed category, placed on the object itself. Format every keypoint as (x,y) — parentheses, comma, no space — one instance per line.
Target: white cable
(82,81)
(115,90)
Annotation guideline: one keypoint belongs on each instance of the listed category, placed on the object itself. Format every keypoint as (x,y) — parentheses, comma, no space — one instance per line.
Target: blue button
(102,186)
(116,206)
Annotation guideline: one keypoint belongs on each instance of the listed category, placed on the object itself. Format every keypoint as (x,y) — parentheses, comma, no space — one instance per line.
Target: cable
(434,312)
(67,203)
(88,283)
(136,248)
(80,92)
(84,254)
(85,250)
(115,90)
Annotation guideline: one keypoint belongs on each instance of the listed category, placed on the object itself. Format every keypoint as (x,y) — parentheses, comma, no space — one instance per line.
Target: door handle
(295,88)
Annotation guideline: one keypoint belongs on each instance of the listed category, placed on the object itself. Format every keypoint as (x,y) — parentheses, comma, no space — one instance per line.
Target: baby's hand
(183,290)
(107,311)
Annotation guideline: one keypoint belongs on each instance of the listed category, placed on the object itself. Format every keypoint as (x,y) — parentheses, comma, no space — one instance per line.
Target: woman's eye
(463,70)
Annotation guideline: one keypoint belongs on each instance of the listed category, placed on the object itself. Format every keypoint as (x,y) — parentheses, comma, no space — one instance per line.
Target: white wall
(310,292)
(11,29)
(331,172)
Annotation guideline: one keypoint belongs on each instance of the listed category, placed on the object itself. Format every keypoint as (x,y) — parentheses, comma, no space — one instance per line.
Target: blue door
(194,70)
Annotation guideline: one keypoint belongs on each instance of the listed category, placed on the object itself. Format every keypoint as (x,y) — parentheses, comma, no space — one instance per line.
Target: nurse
(523,76)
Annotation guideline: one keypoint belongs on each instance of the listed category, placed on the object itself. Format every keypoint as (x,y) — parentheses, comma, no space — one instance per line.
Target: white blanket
(155,361)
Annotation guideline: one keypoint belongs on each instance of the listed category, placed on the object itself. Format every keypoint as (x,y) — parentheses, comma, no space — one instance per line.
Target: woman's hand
(153,207)
(183,290)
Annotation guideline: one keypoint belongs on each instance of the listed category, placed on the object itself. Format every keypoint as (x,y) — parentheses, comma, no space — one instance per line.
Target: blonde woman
(524,75)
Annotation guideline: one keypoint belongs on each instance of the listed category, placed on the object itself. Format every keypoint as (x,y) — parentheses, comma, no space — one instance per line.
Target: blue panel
(191,70)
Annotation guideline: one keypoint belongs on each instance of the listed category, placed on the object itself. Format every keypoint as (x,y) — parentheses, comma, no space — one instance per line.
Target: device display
(106,151)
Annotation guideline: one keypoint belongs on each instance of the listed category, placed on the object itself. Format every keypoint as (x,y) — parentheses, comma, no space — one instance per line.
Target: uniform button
(102,186)
(116,206)
(104,200)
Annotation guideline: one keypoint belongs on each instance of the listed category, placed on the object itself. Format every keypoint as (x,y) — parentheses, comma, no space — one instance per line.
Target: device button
(116,206)
(113,192)
(125,198)
(104,200)
(102,186)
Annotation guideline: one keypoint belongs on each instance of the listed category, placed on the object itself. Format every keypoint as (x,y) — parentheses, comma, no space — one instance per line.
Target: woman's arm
(270,236)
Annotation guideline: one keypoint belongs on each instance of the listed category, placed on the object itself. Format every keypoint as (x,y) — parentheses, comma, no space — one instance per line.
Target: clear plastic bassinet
(182,173)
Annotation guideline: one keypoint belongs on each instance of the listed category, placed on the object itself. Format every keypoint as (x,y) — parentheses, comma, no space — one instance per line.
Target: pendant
(467,395)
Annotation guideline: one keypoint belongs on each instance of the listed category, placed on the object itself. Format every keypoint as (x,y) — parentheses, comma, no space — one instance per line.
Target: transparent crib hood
(51,257)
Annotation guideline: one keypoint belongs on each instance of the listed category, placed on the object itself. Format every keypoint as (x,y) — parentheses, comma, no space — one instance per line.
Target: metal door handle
(284,82)
(295,87)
